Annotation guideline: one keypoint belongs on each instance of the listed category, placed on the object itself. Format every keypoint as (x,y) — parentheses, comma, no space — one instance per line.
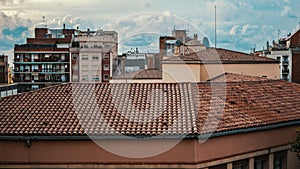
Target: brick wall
(296,67)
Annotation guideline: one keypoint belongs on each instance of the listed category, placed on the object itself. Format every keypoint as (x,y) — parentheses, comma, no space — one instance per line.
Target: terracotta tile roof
(147,109)
(250,104)
(232,77)
(212,55)
(141,74)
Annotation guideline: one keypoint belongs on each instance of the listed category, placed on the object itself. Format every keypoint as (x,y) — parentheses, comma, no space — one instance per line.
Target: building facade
(4,69)
(206,64)
(44,60)
(287,51)
(285,57)
(179,44)
(93,53)
(8,89)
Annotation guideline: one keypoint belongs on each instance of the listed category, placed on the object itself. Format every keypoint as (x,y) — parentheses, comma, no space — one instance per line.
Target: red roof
(213,55)
(141,74)
(232,77)
(75,109)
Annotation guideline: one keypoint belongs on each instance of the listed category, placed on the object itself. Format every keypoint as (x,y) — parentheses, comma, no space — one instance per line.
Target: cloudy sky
(241,24)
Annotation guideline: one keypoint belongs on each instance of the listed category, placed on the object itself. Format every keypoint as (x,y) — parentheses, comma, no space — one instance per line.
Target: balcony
(40,81)
(41,61)
(285,62)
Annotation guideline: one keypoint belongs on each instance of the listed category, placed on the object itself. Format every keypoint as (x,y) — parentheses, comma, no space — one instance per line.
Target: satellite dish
(205,42)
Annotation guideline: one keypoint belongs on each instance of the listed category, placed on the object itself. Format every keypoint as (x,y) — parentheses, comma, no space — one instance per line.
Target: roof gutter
(249,130)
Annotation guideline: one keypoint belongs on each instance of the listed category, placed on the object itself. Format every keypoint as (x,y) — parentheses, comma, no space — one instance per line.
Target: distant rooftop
(212,55)
(141,74)
(232,77)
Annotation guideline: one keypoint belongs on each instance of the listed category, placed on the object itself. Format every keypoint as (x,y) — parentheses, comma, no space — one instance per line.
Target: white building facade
(92,55)
(285,58)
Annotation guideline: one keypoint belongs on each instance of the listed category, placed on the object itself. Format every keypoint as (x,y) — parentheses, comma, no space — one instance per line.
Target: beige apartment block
(204,65)
(92,55)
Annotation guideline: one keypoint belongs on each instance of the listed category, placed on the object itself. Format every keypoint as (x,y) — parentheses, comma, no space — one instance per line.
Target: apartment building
(92,55)
(203,65)
(287,51)
(179,44)
(44,60)
(134,61)
(4,69)
(285,58)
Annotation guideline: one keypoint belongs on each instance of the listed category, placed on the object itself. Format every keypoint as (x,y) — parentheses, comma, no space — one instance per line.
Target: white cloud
(154,24)
(286,10)
(68,20)
(240,23)
(234,30)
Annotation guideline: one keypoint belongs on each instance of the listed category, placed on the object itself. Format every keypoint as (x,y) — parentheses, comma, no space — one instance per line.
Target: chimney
(196,36)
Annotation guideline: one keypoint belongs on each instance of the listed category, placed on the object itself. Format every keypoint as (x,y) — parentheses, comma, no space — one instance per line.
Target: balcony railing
(285,71)
(285,62)
(42,60)
(40,81)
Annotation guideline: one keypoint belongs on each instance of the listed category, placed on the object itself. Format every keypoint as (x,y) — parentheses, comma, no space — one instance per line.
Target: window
(278,58)
(47,77)
(75,67)
(35,77)
(106,57)
(63,57)
(57,77)
(85,67)
(85,57)
(85,77)
(95,77)
(74,56)
(95,57)
(35,87)
(34,68)
(261,162)
(106,67)
(242,164)
(95,67)
(280,160)
(75,78)
(221,166)
(106,77)
(259,165)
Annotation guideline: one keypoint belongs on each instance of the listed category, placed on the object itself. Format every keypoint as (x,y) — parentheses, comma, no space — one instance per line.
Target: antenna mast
(278,34)
(215,26)
(45,26)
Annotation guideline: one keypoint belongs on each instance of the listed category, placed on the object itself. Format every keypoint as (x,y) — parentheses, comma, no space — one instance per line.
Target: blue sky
(242,24)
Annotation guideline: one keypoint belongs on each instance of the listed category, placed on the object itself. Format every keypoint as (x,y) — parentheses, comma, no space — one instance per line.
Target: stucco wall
(181,72)
(270,70)
(187,152)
